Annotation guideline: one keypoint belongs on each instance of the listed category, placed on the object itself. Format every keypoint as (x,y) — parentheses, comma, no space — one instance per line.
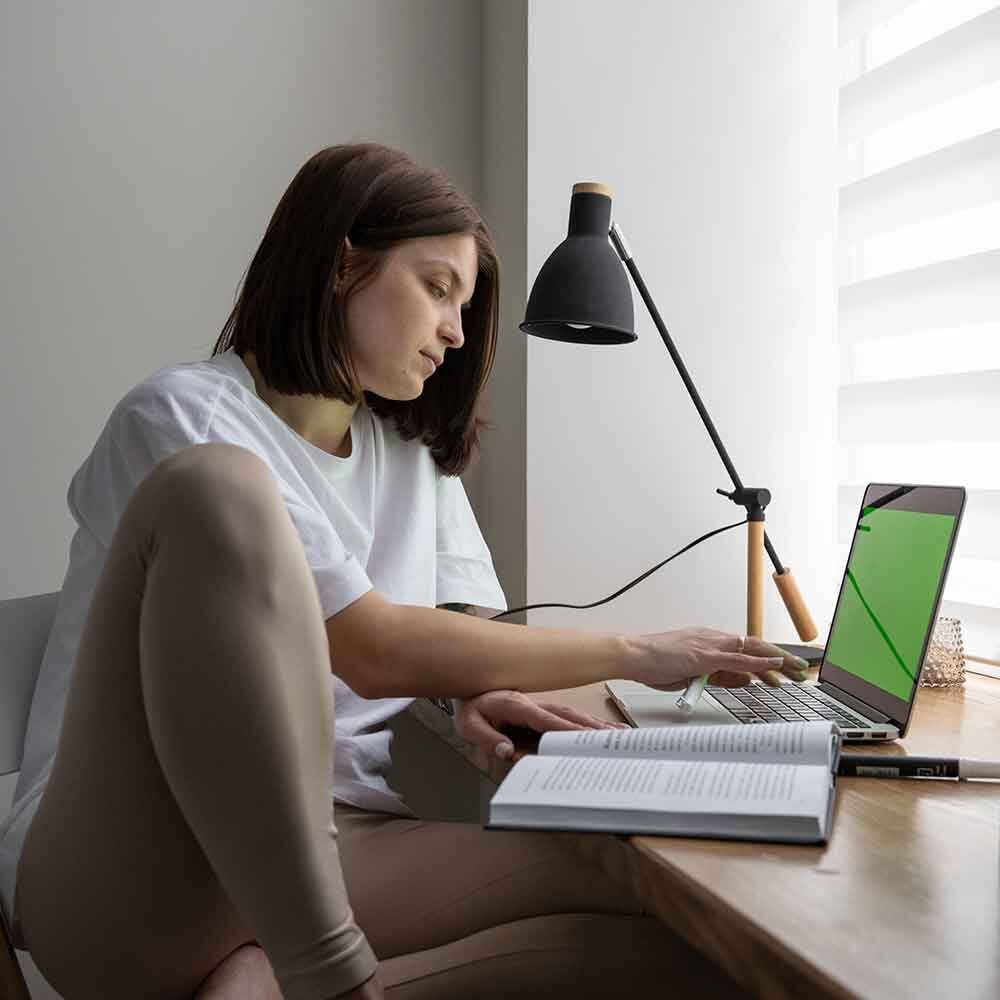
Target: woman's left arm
(482,720)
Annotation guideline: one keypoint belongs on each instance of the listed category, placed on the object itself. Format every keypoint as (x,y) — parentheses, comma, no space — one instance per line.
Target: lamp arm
(783,578)
(626,256)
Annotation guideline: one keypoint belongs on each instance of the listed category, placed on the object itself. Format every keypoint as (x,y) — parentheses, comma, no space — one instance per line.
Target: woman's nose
(452,332)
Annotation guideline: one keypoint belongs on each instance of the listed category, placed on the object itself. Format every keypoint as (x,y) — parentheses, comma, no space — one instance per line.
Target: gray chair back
(25,624)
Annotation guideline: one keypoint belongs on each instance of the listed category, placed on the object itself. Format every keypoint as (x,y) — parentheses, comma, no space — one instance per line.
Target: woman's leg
(454,910)
(188,811)
(582,956)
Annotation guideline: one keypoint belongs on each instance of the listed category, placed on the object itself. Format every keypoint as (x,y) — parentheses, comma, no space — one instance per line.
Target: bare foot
(245,974)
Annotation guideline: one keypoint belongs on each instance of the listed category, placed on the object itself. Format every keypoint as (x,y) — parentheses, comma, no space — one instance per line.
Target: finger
(582,718)
(481,729)
(523,712)
(795,673)
(479,732)
(731,679)
(769,669)
(541,719)
(740,679)
(755,646)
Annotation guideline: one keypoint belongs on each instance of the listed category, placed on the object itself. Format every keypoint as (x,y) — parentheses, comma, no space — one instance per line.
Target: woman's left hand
(478,720)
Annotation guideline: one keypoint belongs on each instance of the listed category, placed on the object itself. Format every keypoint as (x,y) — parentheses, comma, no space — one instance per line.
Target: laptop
(903,542)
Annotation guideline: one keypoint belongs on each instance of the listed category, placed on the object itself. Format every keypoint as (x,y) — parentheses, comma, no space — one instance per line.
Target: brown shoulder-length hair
(290,311)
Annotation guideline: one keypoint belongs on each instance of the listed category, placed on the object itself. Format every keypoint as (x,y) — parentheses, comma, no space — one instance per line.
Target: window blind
(919,275)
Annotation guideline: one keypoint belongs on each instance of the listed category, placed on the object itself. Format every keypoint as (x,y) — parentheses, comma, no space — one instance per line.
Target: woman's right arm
(385,650)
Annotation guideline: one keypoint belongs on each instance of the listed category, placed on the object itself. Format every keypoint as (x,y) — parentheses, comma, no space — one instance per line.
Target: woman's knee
(222,494)
(214,468)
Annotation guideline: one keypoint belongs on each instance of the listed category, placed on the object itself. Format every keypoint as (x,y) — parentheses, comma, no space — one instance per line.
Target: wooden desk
(902,903)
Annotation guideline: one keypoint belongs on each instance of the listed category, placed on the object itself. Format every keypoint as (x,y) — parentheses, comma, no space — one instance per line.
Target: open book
(774,781)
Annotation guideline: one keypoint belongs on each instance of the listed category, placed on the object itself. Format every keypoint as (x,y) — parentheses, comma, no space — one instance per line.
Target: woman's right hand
(671,660)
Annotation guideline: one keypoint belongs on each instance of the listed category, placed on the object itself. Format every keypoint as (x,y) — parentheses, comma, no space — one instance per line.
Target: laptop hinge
(859,706)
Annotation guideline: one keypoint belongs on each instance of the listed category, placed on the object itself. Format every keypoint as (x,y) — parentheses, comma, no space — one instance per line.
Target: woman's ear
(346,254)
(345,263)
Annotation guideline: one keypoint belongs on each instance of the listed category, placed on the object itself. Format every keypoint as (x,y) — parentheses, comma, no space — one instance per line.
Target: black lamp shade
(582,295)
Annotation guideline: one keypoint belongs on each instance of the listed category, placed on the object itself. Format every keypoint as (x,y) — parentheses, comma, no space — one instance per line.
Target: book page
(810,742)
(716,787)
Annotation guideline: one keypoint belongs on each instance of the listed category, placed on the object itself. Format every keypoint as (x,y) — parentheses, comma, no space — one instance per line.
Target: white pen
(692,693)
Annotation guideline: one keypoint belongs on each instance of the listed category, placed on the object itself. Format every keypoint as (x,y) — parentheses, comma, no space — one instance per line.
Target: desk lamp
(581,296)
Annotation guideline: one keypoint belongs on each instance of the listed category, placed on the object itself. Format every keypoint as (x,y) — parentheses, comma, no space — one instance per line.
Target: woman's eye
(443,291)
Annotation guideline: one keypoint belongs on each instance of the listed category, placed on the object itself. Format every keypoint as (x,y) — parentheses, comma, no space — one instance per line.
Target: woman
(263,538)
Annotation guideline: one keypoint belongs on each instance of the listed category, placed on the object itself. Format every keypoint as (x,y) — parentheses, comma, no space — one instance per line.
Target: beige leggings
(188,809)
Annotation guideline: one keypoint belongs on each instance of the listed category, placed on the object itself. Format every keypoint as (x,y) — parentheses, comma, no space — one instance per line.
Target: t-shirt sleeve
(152,423)
(144,428)
(465,571)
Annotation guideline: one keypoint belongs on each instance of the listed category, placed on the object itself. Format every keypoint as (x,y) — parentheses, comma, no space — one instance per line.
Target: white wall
(715,124)
(145,147)
(500,488)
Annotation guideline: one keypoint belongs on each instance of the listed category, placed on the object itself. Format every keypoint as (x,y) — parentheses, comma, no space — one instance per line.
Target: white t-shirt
(384,517)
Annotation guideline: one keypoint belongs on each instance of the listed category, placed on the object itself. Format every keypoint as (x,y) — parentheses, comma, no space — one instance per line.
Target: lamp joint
(754,498)
(618,241)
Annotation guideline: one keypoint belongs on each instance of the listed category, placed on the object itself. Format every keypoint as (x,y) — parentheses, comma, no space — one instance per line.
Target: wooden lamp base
(785,582)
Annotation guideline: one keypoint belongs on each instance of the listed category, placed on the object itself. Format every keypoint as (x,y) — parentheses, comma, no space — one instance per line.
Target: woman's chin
(402,393)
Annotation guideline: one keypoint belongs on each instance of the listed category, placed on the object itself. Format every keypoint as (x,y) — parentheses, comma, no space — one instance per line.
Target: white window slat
(960,234)
(980,632)
(926,354)
(958,61)
(972,464)
(929,410)
(949,293)
(930,130)
(903,26)
(973,581)
(962,176)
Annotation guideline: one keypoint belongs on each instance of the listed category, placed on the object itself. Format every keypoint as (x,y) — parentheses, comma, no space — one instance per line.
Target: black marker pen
(879,766)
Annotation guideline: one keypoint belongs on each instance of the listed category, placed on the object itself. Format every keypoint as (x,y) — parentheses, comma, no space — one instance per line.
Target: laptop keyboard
(757,703)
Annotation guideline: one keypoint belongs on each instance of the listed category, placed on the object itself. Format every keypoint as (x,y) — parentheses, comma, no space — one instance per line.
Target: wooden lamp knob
(592,187)
(796,606)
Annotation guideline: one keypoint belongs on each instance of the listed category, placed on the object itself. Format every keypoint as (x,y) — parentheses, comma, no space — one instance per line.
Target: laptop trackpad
(645,706)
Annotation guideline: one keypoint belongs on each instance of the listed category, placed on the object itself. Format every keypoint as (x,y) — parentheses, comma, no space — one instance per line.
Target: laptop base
(645,707)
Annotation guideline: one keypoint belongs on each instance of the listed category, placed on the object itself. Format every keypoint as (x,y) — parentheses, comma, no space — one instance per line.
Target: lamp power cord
(628,586)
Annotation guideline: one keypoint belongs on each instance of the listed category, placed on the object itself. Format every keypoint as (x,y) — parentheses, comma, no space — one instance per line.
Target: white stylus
(692,693)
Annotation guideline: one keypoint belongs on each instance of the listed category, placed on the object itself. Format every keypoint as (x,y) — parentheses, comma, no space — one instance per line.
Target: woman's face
(411,313)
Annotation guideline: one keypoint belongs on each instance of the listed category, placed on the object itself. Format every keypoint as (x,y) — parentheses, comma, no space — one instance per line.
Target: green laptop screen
(888,596)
